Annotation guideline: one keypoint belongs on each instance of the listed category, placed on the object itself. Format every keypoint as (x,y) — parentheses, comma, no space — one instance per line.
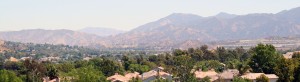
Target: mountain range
(103,32)
(174,31)
(41,36)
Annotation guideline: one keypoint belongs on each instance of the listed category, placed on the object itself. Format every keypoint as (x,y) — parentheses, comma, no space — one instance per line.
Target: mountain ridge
(179,30)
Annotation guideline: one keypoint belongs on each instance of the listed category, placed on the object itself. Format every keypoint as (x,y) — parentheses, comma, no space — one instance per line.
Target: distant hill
(178,28)
(50,36)
(101,31)
(2,46)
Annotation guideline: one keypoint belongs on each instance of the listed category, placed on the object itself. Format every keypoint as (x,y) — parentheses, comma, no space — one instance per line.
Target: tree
(264,59)
(34,70)
(205,79)
(52,72)
(223,54)
(8,76)
(210,64)
(184,64)
(197,55)
(240,79)
(232,64)
(297,74)
(262,78)
(178,52)
(287,69)
(87,74)
(243,68)
(296,55)
(109,67)
(136,80)
(161,80)
(138,68)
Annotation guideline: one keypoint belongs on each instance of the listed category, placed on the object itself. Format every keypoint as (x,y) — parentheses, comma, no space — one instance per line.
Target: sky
(120,14)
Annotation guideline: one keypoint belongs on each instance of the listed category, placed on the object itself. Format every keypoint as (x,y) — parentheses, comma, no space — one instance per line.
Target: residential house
(289,55)
(253,76)
(52,59)
(133,75)
(24,58)
(118,78)
(47,79)
(210,73)
(154,74)
(12,59)
(121,78)
(228,75)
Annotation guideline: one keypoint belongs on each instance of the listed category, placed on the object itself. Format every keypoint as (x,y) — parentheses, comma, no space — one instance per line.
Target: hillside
(2,47)
(41,36)
(178,28)
(101,31)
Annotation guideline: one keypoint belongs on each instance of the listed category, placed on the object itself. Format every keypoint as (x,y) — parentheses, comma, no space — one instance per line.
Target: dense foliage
(180,63)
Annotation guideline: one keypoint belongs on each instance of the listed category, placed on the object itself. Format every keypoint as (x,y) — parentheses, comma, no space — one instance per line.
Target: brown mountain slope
(176,29)
(50,36)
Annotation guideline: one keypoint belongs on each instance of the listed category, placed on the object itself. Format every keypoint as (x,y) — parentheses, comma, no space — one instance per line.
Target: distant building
(118,78)
(47,79)
(24,58)
(52,59)
(87,58)
(121,78)
(228,75)
(210,73)
(289,55)
(253,76)
(12,59)
(154,74)
(133,75)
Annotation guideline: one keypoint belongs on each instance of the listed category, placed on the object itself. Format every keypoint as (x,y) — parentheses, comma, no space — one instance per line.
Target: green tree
(184,64)
(178,52)
(264,59)
(210,64)
(262,78)
(136,80)
(286,70)
(8,76)
(205,79)
(34,70)
(138,68)
(296,55)
(52,72)
(109,67)
(297,74)
(243,68)
(87,74)
(161,80)
(240,79)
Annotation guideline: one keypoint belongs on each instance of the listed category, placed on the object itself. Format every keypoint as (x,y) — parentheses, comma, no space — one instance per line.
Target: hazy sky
(120,14)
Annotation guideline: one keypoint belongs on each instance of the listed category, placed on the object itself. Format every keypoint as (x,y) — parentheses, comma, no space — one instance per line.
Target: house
(118,78)
(24,58)
(210,73)
(121,78)
(228,75)
(253,76)
(47,79)
(12,59)
(289,55)
(53,59)
(133,75)
(154,74)
(87,58)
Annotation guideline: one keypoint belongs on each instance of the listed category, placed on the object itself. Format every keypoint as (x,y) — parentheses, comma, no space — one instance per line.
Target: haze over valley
(177,30)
